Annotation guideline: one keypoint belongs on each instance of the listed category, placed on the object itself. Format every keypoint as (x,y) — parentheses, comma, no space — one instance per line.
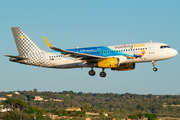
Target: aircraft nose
(174,52)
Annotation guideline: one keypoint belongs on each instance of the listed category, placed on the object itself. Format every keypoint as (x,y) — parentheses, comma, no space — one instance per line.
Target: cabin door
(151,48)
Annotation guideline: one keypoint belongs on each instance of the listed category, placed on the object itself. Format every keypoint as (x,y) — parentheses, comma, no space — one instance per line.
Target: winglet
(47,42)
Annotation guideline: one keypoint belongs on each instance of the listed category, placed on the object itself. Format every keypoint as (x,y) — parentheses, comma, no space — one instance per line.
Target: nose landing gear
(154,65)
(102,74)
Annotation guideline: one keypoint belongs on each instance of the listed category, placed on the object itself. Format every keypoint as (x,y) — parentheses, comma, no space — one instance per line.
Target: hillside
(161,105)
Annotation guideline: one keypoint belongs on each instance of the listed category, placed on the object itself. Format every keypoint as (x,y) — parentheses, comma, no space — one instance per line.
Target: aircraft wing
(76,55)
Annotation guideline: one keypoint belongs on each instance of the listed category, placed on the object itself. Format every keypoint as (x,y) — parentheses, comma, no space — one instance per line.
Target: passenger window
(49,56)
(108,51)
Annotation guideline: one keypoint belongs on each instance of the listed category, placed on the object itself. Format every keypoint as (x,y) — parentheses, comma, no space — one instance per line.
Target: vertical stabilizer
(25,45)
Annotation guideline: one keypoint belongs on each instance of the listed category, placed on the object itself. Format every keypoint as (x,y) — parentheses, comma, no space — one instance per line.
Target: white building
(3,99)
(1,106)
(17,93)
(5,110)
(39,98)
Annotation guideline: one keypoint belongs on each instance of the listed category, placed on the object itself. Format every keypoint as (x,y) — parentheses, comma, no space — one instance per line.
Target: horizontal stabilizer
(17,57)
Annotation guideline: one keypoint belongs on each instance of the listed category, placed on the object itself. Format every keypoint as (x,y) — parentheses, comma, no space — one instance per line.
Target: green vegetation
(141,115)
(15,103)
(116,105)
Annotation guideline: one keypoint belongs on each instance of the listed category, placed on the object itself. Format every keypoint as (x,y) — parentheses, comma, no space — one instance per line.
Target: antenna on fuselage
(151,41)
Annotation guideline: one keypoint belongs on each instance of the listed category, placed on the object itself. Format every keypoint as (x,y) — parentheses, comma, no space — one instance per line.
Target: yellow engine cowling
(125,67)
(108,63)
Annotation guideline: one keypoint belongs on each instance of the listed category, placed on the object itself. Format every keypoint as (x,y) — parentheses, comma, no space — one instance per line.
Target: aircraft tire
(154,69)
(102,74)
(92,72)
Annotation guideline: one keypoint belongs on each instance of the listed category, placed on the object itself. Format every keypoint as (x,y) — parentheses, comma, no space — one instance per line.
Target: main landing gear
(92,73)
(102,74)
(154,68)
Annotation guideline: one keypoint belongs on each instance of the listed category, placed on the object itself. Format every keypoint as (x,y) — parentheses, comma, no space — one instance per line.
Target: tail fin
(25,45)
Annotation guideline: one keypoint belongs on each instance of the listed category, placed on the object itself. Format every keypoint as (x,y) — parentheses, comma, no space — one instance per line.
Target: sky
(82,23)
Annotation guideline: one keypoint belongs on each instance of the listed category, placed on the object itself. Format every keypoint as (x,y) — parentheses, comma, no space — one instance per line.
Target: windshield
(165,46)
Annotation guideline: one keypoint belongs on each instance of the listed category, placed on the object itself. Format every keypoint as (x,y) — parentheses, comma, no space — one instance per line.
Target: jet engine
(125,67)
(108,63)
(111,62)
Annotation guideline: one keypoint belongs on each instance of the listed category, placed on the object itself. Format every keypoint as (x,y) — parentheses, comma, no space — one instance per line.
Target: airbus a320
(117,57)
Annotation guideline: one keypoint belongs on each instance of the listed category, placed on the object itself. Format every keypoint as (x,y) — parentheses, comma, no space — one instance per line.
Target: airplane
(117,57)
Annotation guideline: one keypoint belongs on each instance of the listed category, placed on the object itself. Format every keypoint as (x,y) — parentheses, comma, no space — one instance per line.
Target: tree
(35,91)
(20,104)
(14,115)
(118,112)
(86,108)
(140,115)
(39,117)
(131,116)
(151,116)
(124,113)
(32,109)
(15,103)
(140,107)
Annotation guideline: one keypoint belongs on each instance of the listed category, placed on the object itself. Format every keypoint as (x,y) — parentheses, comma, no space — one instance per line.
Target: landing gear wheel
(102,74)
(154,69)
(154,64)
(92,72)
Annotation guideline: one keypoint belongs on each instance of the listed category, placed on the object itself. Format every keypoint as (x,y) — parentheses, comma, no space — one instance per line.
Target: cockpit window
(165,46)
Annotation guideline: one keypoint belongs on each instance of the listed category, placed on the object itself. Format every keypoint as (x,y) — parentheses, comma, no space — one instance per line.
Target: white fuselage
(135,53)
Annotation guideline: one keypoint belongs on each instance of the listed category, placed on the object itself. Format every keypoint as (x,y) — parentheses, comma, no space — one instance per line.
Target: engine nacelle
(125,67)
(108,63)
